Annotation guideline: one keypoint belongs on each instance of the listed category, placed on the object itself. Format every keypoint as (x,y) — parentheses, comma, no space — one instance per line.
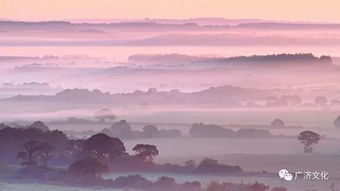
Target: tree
(336,122)
(29,156)
(257,187)
(207,164)
(210,130)
(326,59)
(145,152)
(88,168)
(39,125)
(190,164)
(104,147)
(320,100)
(45,153)
(34,150)
(75,147)
(308,138)
(150,131)
(211,165)
(277,123)
(121,129)
(13,140)
(295,100)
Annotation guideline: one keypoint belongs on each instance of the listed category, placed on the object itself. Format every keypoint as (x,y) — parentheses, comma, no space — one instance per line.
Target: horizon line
(155,19)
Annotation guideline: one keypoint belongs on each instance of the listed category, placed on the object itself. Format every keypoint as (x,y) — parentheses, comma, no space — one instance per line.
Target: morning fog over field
(163,103)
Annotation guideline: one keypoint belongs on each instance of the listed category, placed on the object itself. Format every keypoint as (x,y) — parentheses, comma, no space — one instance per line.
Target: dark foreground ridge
(39,151)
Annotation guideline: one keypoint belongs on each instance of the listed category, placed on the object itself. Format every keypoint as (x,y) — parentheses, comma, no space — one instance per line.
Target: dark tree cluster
(35,146)
(33,151)
(213,131)
(205,166)
(209,165)
(276,59)
(277,123)
(104,147)
(226,186)
(123,130)
(161,184)
(145,152)
(89,158)
(284,100)
(87,168)
(308,138)
(33,142)
(102,150)
(165,183)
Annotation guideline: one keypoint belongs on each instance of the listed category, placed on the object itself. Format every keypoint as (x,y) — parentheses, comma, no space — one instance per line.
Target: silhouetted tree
(30,154)
(190,164)
(308,138)
(150,131)
(34,150)
(207,164)
(212,166)
(210,130)
(45,153)
(75,148)
(104,147)
(145,152)
(295,100)
(13,139)
(88,168)
(121,129)
(320,100)
(38,125)
(326,59)
(277,123)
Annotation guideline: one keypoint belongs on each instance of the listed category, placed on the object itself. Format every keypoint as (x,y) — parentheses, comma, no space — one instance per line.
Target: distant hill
(163,59)
(224,96)
(168,23)
(166,32)
(273,60)
(275,25)
(69,26)
(229,39)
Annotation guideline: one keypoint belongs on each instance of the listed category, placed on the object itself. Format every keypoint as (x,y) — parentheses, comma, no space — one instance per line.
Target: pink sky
(307,10)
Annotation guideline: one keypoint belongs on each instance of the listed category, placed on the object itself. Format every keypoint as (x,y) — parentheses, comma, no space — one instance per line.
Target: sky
(296,10)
